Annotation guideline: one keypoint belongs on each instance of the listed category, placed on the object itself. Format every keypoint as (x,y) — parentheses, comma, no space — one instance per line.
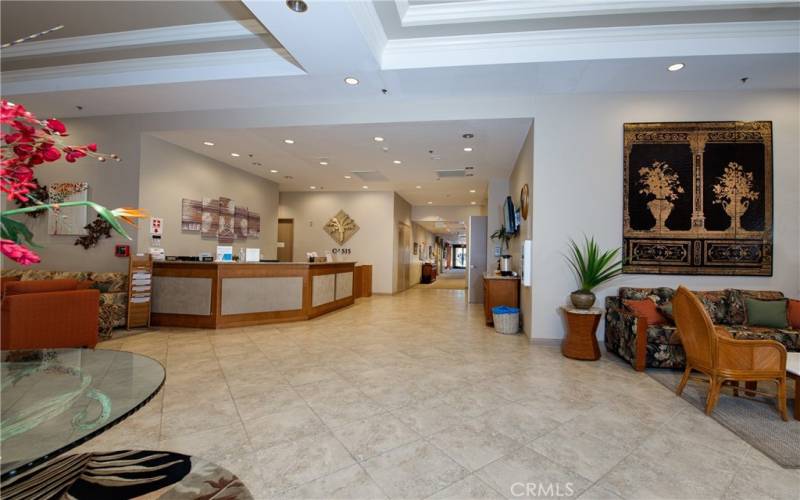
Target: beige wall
(112,184)
(521,175)
(170,173)
(372,244)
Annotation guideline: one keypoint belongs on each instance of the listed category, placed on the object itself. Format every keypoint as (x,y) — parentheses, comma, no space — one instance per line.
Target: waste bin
(506,319)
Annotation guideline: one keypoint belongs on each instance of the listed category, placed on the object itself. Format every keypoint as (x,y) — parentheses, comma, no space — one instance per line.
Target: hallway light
(377,138)
(397,162)
(235,155)
(676,67)
(430,203)
(364,187)
(208,143)
(419,187)
(273,171)
(298,6)
(471,190)
(288,141)
(468,150)
(350,80)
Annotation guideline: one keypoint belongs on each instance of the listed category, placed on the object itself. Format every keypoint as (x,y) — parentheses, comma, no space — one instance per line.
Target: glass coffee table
(55,399)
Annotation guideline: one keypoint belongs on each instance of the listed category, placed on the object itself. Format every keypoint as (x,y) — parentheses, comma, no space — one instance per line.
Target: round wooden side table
(580,341)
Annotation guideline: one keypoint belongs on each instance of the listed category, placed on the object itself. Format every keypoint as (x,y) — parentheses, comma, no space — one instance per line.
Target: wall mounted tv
(509,216)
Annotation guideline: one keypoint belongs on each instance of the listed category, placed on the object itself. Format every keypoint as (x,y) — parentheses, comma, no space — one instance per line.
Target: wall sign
(219,219)
(156,228)
(341,227)
(698,198)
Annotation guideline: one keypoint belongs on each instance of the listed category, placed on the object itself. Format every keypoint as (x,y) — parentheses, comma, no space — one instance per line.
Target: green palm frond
(591,265)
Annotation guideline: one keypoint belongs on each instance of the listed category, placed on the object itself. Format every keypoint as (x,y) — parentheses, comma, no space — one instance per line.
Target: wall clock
(523,202)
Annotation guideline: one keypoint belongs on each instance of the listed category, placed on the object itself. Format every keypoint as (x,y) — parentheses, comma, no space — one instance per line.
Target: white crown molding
(151,36)
(768,37)
(371,27)
(151,70)
(509,10)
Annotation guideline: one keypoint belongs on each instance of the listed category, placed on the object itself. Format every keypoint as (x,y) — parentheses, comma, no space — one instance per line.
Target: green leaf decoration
(591,265)
(16,231)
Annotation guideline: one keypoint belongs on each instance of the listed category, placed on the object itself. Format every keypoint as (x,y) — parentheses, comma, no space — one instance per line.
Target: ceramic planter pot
(581,299)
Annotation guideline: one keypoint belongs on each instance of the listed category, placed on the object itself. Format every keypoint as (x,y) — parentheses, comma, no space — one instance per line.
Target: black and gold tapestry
(698,198)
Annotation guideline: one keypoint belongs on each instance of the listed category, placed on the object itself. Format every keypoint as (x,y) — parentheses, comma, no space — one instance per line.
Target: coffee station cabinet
(499,291)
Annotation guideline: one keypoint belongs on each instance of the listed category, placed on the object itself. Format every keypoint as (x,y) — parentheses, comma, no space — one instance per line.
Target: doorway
(459,257)
(285,240)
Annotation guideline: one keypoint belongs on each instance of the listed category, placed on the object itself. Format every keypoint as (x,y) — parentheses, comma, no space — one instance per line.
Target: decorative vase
(660,208)
(735,212)
(581,299)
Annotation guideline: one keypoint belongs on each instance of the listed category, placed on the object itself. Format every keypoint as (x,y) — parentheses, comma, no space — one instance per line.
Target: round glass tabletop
(56,399)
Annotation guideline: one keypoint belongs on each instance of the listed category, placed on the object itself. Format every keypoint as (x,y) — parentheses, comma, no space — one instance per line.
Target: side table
(580,341)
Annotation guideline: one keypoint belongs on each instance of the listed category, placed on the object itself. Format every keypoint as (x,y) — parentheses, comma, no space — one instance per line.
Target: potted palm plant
(592,268)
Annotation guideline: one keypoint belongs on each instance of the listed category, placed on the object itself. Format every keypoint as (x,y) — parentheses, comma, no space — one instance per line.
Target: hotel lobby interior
(407,249)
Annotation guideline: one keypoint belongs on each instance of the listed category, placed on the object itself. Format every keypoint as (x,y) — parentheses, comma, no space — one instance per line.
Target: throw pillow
(646,308)
(793,313)
(769,313)
(666,311)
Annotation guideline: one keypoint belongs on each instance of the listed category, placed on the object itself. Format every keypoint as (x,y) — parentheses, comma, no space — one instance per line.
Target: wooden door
(286,236)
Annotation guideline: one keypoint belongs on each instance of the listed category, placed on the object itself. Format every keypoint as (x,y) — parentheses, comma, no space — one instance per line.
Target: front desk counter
(227,294)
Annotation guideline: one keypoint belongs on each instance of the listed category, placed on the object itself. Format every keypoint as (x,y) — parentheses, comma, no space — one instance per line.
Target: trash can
(506,319)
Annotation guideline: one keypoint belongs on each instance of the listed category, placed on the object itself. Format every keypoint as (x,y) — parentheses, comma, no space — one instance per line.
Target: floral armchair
(659,346)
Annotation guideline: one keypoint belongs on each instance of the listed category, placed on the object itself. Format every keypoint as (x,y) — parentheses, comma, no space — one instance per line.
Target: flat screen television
(509,216)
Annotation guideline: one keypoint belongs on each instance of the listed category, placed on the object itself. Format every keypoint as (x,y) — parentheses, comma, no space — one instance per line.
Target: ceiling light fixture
(468,150)
(473,203)
(364,187)
(430,203)
(235,155)
(471,190)
(377,138)
(288,141)
(298,6)
(323,163)
(347,177)
(273,171)
(397,162)
(208,143)
(468,136)
(312,187)
(676,67)
(351,80)
(419,187)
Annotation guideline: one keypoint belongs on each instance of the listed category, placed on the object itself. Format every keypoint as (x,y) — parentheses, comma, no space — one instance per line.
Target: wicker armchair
(721,358)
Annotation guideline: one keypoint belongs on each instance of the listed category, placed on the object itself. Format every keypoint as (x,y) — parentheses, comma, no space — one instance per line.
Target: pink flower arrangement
(26,143)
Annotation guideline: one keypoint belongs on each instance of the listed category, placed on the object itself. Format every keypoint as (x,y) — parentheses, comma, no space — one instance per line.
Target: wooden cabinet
(499,291)
(428,273)
(362,281)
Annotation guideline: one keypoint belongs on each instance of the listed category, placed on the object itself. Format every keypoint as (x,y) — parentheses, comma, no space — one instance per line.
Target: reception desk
(223,295)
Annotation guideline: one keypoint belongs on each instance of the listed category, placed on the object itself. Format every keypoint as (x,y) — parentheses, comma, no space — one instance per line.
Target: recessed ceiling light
(235,155)
(471,190)
(676,67)
(364,187)
(397,162)
(288,141)
(298,6)
(312,187)
(468,136)
(347,177)
(377,138)
(273,171)
(208,143)
(430,203)
(473,203)
(419,187)
(351,80)
(468,150)
(323,163)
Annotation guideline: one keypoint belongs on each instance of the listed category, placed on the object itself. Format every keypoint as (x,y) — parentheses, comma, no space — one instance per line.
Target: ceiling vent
(444,174)
(370,175)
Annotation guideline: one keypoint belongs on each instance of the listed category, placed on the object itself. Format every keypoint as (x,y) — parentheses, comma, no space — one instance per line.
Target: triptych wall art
(698,198)
(219,219)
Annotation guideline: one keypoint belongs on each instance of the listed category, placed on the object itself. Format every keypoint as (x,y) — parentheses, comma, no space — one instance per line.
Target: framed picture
(67,220)
(698,198)
(416,248)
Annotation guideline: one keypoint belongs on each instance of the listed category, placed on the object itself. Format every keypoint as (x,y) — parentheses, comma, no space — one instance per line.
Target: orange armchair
(713,352)
(49,314)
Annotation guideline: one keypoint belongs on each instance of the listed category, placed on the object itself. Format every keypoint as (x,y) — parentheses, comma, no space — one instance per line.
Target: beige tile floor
(412,396)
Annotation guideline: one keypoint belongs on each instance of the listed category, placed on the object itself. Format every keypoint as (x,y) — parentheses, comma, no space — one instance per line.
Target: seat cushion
(110,282)
(646,308)
(38,275)
(769,313)
(789,338)
(663,335)
(660,295)
(715,303)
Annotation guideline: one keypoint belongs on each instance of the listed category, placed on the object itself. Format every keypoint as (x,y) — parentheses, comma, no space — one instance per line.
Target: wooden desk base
(580,342)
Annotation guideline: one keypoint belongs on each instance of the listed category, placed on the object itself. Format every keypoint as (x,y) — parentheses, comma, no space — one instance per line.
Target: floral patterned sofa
(644,345)
(113,291)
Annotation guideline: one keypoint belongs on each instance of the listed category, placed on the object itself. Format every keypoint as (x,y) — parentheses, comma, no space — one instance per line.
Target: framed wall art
(698,198)
(67,220)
